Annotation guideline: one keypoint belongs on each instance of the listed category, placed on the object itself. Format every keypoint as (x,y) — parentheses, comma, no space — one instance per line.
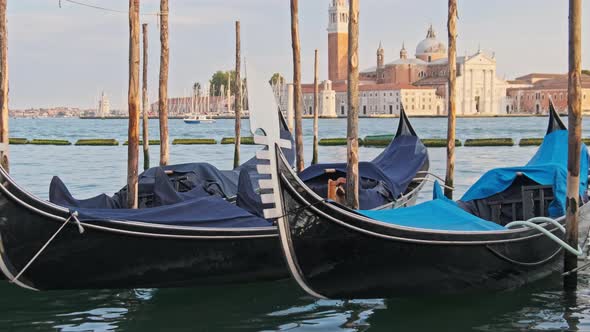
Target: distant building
(338,40)
(531,93)
(420,82)
(479,90)
(374,100)
(103,106)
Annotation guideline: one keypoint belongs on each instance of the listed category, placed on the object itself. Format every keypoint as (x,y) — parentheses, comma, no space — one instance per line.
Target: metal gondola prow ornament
(264,125)
(555,122)
(404,127)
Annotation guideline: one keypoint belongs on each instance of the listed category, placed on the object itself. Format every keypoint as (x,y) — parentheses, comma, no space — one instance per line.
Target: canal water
(275,305)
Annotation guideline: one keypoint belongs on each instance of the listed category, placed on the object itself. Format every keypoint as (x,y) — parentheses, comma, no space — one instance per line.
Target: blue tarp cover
(437,214)
(547,167)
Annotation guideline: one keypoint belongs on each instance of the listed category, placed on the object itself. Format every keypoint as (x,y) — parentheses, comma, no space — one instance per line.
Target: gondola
(203,239)
(435,247)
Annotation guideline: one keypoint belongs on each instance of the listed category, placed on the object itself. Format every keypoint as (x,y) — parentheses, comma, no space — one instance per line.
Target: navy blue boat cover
(201,203)
(384,178)
(209,211)
(547,167)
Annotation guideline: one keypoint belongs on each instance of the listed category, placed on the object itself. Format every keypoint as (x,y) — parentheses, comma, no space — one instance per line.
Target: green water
(278,305)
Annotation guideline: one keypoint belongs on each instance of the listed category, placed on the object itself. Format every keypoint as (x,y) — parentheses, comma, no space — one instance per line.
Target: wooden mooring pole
(144,98)
(352,147)
(163,85)
(133,104)
(4,141)
(297,96)
(238,99)
(574,138)
(451,107)
(316,108)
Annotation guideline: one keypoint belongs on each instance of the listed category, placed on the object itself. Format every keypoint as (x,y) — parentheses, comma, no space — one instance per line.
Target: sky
(66,56)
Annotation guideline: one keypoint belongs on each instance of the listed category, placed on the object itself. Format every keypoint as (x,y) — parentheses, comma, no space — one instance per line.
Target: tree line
(220,78)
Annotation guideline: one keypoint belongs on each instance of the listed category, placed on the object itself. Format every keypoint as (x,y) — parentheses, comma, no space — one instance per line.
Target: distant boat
(194,119)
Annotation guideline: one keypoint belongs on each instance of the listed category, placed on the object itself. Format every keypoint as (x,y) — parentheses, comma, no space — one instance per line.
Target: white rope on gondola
(433,175)
(532,223)
(73,215)
(433,180)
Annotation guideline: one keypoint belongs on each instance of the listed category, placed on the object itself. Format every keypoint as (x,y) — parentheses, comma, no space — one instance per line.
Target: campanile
(338,40)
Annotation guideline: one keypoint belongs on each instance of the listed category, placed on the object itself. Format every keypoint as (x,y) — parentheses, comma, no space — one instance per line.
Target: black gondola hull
(111,254)
(339,254)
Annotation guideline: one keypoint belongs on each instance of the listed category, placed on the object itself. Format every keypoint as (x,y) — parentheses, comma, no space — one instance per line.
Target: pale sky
(66,56)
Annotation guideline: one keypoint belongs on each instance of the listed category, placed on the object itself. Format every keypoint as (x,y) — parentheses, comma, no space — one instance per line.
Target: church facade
(420,82)
(479,90)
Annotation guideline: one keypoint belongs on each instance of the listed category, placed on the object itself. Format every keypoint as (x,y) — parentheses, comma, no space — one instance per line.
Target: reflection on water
(278,305)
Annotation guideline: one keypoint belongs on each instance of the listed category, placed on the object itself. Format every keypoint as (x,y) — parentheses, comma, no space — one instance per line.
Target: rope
(531,224)
(79,3)
(433,180)
(297,210)
(73,215)
(583,267)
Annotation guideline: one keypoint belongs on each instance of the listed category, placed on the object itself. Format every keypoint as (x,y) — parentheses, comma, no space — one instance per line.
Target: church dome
(430,45)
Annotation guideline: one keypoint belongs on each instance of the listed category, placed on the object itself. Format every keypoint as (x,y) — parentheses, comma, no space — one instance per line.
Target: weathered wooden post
(163,88)
(451,106)
(352,167)
(4,140)
(316,108)
(574,138)
(228,91)
(238,99)
(208,98)
(298,98)
(144,98)
(133,105)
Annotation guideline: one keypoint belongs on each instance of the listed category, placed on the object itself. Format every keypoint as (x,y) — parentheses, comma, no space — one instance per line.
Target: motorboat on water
(198,119)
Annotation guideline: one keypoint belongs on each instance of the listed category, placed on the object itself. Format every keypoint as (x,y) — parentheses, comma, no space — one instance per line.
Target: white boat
(198,119)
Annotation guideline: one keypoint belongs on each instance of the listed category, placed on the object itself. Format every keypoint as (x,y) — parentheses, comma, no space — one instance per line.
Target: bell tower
(338,40)
(403,53)
(380,56)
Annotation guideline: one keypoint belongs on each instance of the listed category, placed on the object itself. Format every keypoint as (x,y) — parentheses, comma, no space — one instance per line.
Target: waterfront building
(104,106)
(420,82)
(338,40)
(531,93)
(479,90)
(374,100)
